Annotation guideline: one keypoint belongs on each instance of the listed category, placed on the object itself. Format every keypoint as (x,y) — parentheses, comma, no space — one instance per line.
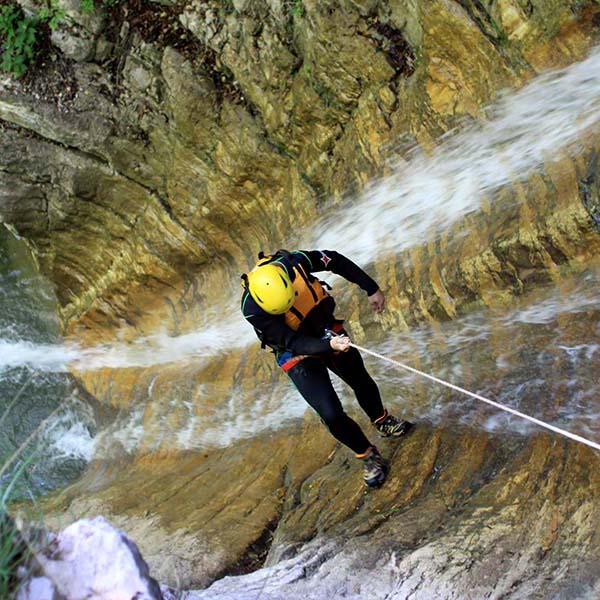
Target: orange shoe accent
(385,414)
(365,454)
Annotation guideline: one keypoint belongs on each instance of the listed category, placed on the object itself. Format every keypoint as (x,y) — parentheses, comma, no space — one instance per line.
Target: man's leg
(312,380)
(349,366)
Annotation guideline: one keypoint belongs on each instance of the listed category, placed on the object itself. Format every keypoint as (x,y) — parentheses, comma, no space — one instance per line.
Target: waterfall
(516,136)
(538,123)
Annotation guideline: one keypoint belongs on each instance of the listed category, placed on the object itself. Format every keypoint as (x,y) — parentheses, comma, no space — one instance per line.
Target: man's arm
(330,260)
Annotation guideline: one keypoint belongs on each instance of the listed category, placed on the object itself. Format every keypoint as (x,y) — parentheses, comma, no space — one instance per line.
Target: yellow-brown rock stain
(154,243)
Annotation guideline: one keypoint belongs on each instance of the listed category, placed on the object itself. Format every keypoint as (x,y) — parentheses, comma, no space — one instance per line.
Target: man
(293,314)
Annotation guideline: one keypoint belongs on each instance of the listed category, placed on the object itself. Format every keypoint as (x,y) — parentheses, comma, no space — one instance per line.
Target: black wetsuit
(310,374)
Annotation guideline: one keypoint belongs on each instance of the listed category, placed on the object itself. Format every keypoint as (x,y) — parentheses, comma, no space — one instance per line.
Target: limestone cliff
(149,159)
(209,128)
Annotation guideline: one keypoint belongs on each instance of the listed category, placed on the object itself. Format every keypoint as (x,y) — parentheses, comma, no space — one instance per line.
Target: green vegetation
(51,14)
(296,8)
(19,34)
(307,70)
(14,551)
(501,36)
(88,6)
(17,485)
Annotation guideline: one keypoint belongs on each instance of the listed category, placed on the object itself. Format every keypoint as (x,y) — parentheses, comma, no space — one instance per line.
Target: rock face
(203,133)
(163,161)
(90,559)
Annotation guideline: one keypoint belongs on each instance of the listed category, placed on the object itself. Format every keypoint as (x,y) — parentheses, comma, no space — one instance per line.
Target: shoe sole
(377,481)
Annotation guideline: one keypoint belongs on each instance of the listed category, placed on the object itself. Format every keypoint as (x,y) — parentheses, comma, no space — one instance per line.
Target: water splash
(42,357)
(523,130)
(161,348)
(524,358)
(69,435)
(218,336)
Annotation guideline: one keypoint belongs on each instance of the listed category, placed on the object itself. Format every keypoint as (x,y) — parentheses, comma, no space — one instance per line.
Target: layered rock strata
(160,166)
(174,158)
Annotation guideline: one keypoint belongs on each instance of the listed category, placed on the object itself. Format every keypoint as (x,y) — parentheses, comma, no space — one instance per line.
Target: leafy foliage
(297,8)
(51,14)
(87,6)
(19,34)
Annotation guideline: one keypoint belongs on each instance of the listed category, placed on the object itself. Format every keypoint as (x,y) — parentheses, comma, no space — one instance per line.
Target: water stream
(519,133)
(541,356)
(31,389)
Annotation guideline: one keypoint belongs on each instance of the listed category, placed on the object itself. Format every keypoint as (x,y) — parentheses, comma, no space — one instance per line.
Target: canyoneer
(293,314)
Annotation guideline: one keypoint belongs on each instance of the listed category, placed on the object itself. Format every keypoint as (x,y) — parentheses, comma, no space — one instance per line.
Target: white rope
(558,430)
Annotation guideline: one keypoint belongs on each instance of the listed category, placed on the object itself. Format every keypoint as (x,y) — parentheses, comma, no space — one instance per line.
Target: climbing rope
(558,430)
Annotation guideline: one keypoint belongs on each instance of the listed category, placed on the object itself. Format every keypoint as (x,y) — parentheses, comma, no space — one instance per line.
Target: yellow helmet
(271,288)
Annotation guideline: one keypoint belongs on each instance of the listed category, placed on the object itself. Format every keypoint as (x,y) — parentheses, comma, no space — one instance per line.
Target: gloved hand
(340,343)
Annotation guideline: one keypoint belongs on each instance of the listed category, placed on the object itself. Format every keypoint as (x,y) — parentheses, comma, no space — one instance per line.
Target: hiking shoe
(390,426)
(375,468)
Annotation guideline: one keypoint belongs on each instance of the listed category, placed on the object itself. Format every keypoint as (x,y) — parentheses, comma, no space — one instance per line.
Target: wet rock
(462,512)
(211,538)
(171,170)
(90,555)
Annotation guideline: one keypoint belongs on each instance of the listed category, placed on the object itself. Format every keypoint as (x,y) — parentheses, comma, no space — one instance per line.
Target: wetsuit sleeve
(274,332)
(330,260)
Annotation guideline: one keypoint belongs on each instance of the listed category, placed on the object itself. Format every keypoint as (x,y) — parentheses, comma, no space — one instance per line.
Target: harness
(286,360)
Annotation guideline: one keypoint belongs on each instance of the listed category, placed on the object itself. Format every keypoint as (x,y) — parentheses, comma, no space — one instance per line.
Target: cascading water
(33,374)
(424,192)
(518,134)
(541,357)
